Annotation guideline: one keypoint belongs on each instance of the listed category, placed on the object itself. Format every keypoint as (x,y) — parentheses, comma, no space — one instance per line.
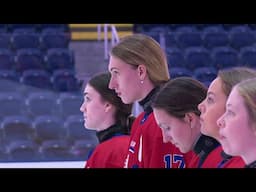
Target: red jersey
(147,149)
(215,159)
(110,153)
(203,147)
(194,161)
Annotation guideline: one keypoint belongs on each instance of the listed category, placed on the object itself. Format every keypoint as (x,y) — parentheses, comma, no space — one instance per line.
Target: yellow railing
(81,32)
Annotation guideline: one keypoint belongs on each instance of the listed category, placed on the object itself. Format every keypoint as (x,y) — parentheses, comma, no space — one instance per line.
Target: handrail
(114,37)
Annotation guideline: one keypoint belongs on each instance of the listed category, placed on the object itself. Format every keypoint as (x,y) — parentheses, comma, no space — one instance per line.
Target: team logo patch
(132,145)
(131,149)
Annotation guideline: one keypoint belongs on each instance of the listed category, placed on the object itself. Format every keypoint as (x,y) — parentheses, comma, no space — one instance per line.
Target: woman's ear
(142,70)
(108,106)
(190,119)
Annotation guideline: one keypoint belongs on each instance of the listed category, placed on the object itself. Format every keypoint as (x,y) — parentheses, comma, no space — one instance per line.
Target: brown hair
(247,90)
(232,76)
(140,49)
(180,95)
(123,111)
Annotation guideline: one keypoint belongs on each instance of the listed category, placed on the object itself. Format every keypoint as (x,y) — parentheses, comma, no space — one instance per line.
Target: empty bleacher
(208,46)
(39,86)
(39,93)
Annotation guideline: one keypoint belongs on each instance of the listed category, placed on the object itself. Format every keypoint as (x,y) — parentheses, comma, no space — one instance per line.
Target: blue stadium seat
(41,103)
(205,74)
(181,28)
(174,27)
(214,37)
(154,34)
(74,125)
(51,38)
(159,28)
(64,80)
(170,39)
(252,26)
(24,30)
(69,104)
(5,40)
(12,103)
(59,58)
(17,127)
(13,27)
(6,58)
(175,57)
(247,56)
(179,72)
(146,27)
(24,39)
(37,78)
(48,127)
(82,148)
(241,36)
(24,151)
(55,150)
(224,57)
(57,27)
(3,28)
(9,75)
(30,58)
(227,27)
(197,57)
(201,27)
(187,37)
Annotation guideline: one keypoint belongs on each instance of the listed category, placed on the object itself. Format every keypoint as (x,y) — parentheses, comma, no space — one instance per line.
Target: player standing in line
(105,112)
(238,123)
(213,107)
(138,68)
(176,112)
